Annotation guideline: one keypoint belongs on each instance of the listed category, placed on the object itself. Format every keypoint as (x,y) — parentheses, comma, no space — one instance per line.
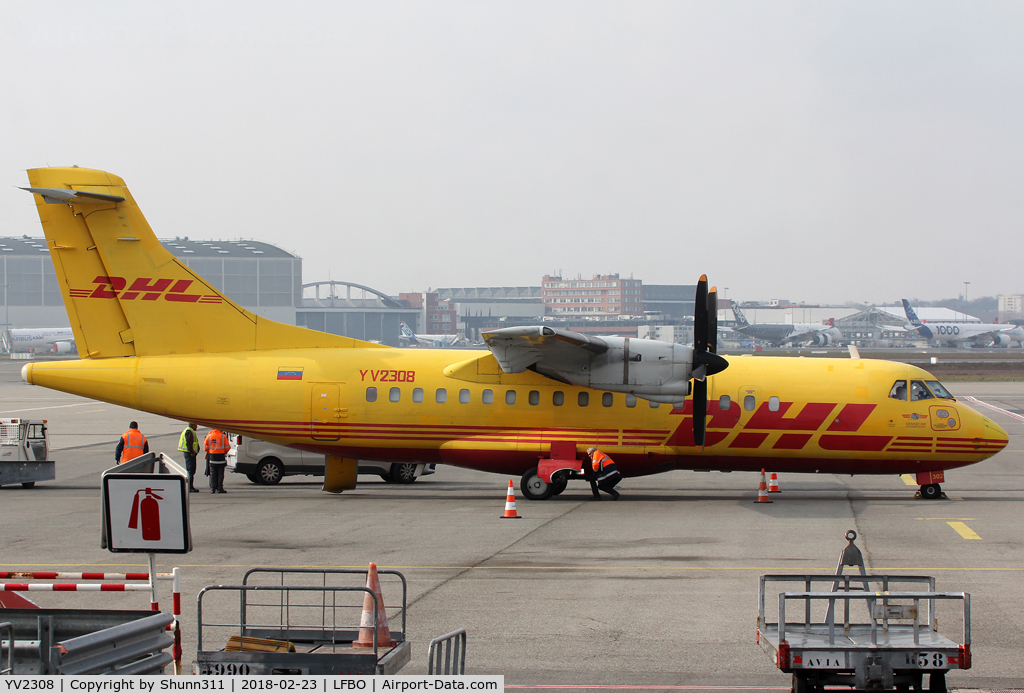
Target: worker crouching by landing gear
(606,473)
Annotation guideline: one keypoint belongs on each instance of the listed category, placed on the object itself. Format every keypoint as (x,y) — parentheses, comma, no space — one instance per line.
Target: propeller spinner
(705,359)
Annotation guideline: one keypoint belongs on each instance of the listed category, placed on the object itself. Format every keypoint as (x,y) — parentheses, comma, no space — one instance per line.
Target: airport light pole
(965,292)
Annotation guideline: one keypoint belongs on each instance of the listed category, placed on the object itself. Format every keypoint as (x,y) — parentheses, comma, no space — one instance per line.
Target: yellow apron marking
(963,530)
(909,479)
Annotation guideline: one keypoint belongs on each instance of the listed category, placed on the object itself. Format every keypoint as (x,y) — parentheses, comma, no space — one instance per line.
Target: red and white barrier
(150,585)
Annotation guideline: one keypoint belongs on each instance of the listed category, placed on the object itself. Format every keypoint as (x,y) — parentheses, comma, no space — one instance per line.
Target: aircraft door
(328,407)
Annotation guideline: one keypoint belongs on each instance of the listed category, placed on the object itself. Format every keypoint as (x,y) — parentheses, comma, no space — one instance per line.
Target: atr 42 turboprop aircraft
(782,333)
(429,340)
(155,336)
(974,332)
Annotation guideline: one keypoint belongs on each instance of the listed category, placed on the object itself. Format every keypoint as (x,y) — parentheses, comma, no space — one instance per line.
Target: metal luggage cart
(312,626)
(893,645)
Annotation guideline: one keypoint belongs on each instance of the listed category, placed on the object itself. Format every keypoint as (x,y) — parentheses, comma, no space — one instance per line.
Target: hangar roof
(180,247)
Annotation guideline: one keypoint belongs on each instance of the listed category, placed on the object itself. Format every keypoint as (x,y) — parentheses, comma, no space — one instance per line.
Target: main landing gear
(931,492)
(535,488)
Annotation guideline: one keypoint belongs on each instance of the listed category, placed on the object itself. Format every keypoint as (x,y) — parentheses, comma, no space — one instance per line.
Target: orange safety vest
(134,443)
(598,458)
(216,443)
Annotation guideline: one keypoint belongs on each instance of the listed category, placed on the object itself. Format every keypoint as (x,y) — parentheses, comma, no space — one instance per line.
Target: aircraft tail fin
(125,294)
(739,316)
(407,332)
(921,328)
(911,315)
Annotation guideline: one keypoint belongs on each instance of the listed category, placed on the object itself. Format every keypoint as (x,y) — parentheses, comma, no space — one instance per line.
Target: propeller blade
(700,411)
(713,320)
(700,316)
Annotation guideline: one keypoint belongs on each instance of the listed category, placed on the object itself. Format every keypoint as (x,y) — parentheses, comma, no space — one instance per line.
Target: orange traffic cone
(510,503)
(365,638)
(762,491)
(773,484)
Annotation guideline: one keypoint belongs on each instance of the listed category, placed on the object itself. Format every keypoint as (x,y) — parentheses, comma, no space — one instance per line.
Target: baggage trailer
(296,629)
(23,451)
(892,645)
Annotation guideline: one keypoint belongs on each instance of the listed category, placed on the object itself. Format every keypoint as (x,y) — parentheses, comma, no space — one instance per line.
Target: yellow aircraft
(155,336)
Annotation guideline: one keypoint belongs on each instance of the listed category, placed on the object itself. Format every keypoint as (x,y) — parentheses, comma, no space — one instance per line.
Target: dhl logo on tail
(146,289)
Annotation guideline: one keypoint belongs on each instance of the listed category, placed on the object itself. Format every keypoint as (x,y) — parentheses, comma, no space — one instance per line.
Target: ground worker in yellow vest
(216,445)
(606,472)
(131,444)
(188,445)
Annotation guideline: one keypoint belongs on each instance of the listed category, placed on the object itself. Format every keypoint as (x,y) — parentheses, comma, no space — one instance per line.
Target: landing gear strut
(931,492)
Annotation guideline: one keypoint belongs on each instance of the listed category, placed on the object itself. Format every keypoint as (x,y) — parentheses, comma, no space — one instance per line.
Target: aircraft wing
(518,348)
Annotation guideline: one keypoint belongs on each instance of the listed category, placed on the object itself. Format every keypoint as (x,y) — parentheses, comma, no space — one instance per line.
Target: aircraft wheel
(28,484)
(402,473)
(270,471)
(558,485)
(931,492)
(535,488)
(937,682)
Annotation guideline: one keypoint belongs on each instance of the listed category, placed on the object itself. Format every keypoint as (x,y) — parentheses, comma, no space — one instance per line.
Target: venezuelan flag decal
(289,374)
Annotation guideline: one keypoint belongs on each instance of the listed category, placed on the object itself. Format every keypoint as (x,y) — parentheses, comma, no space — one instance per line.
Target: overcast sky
(811,151)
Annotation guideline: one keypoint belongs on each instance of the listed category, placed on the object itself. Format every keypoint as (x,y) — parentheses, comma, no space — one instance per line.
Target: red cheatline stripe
(654,688)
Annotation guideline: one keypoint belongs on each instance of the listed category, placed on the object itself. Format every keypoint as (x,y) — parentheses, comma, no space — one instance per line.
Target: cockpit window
(938,390)
(918,391)
(899,390)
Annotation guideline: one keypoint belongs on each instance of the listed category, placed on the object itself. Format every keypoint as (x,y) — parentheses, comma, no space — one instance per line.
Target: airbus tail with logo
(155,336)
(957,332)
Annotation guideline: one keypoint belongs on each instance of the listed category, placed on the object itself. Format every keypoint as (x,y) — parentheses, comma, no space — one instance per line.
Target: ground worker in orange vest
(606,472)
(131,444)
(216,445)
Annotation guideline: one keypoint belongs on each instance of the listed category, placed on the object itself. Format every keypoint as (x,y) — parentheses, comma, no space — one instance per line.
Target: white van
(267,463)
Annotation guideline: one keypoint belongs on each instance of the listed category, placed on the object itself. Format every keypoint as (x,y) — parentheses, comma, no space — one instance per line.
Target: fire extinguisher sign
(146,513)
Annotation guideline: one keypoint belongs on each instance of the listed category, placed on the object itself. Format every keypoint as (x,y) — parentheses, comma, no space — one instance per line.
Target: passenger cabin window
(371,394)
(441,396)
(510,396)
(558,398)
(749,403)
(918,391)
(631,401)
(395,394)
(724,402)
(534,398)
(607,399)
(583,399)
(417,395)
(773,404)
(463,396)
(938,390)
(899,390)
(487,397)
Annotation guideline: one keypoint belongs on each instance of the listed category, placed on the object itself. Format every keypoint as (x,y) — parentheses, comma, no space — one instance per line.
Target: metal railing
(134,648)
(328,632)
(916,597)
(322,573)
(453,647)
(9,669)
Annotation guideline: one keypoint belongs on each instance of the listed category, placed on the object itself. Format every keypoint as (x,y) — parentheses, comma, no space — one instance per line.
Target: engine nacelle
(1001,340)
(822,339)
(641,367)
(61,348)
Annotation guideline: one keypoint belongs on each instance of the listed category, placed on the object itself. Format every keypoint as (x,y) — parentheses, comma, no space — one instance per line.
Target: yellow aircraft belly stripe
(963,530)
